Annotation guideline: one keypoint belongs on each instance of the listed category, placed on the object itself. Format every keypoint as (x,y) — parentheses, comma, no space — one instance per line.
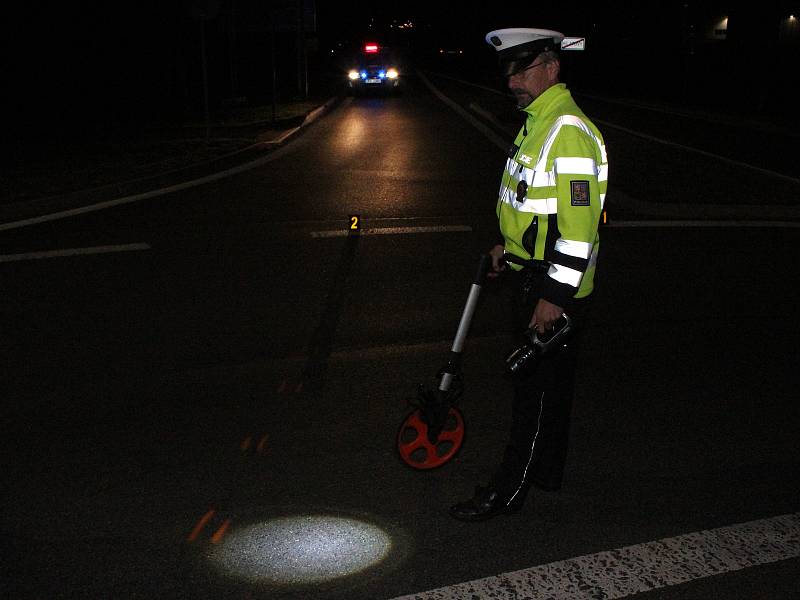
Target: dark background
(133,380)
(84,69)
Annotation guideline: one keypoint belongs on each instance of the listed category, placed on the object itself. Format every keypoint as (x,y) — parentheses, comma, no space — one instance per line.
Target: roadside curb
(310,118)
(22,214)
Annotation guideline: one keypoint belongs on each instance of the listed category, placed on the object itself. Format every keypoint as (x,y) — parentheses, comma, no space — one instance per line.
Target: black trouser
(537,447)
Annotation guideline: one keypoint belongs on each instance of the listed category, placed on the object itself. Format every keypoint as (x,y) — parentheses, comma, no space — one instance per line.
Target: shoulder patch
(579,193)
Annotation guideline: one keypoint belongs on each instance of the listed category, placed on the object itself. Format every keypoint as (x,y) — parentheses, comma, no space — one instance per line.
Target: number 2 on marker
(354,223)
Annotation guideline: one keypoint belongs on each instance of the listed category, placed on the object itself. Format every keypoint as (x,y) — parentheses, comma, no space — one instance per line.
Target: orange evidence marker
(217,537)
(200,526)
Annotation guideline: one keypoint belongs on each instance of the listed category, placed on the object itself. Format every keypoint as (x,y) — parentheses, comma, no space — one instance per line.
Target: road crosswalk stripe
(642,567)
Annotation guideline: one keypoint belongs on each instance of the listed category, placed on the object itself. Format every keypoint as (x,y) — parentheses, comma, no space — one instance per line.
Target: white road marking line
(651,138)
(310,118)
(391,231)
(475,85)
(697,115)
(143,196)
(485,114)
(786,224)
(724,159)
(641,567)
(702,212)
(5,258)
(643,105)
(491,135)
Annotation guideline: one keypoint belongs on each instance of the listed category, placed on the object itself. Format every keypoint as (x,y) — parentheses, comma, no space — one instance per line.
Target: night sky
(142,61)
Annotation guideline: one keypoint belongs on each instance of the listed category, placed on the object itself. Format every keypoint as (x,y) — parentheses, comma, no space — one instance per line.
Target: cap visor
(510,67)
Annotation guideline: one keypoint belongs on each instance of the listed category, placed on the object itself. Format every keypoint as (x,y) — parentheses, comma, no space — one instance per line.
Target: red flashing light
(371,48)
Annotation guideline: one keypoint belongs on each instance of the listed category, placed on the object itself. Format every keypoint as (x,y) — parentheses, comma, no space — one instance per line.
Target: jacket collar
(547,98)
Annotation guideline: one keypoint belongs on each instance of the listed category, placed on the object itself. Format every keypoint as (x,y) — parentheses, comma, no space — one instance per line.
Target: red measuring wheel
(418,452)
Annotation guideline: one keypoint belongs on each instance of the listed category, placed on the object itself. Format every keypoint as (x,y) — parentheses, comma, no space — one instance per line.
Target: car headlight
(353,75)
(392,73)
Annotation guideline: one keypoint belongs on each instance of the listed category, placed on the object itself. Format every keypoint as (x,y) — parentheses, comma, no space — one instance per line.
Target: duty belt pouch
(531,285)
(527,288)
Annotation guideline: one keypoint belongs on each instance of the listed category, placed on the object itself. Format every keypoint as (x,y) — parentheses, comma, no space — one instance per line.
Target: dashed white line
(641,567)
(391,231)
(6,258)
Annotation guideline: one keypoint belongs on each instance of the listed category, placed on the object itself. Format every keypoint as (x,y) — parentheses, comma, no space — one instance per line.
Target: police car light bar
(573,43)
(371,48)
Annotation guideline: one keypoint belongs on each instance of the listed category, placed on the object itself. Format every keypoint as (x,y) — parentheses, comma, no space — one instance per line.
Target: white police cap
(518,47)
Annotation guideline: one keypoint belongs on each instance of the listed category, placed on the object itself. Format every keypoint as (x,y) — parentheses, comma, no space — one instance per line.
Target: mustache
(519,91)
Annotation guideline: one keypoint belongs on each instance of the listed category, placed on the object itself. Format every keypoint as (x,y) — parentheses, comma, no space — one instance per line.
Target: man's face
(529,83)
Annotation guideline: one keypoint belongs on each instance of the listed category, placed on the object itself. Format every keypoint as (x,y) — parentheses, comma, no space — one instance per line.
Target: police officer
(551,197)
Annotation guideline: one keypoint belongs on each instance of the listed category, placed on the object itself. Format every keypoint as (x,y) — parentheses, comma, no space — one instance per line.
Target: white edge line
(654,223)
(491,135)
(475,85)
(390,231)
(311,117)
(137,197)
(724,159)
(720,119)
(6,258)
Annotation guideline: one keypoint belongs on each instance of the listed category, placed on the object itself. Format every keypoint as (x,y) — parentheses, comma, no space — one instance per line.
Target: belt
(528,264)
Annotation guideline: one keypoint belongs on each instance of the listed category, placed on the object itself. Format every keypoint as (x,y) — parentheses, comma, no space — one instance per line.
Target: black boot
(487,503)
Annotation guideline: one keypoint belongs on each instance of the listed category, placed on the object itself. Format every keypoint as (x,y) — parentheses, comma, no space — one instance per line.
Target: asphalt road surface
(201,390)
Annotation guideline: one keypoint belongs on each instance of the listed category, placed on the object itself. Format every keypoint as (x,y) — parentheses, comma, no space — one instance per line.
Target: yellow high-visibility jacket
(552,194)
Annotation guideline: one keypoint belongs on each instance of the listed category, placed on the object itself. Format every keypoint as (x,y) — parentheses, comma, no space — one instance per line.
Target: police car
(377,69)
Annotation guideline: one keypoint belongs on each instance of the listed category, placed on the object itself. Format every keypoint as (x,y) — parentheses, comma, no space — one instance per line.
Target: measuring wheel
(417,449)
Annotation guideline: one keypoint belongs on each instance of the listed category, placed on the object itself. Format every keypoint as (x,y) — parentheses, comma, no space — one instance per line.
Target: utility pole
(232,50)
(274,60)
(204,10)
(204,63)
(302,61)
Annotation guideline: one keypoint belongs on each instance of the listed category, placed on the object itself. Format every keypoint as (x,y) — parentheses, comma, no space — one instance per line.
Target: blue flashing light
(382,74)
(363,74)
